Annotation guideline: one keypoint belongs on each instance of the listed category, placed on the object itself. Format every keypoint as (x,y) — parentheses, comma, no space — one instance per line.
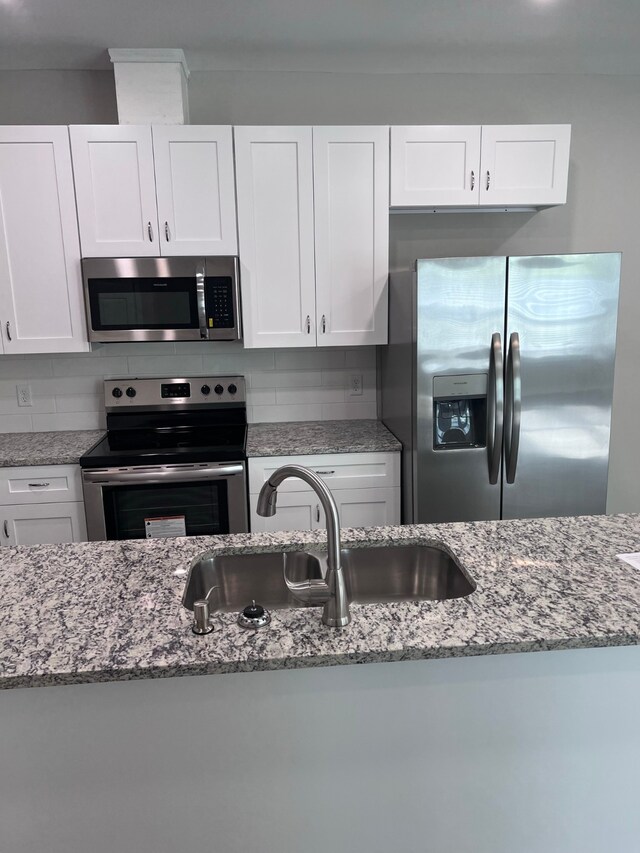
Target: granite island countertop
(111,610)
(305,437)
(46,448)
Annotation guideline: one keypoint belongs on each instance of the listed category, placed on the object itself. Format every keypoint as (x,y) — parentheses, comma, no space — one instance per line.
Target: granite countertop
(111,610)
(46,448)
(271,439)
(306,437)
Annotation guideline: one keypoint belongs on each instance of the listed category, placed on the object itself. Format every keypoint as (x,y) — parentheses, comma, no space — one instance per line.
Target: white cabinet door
(351,192)
(295,511)
(365,507)
(274,178)
(195,190)
(525,164)
(435,166)
(41,303)
(115,190)
(45,524)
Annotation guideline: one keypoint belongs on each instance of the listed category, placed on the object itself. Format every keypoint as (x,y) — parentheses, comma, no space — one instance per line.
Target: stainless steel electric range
(173,461)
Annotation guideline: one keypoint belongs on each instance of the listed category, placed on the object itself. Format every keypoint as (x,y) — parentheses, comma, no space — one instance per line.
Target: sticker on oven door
(168,525)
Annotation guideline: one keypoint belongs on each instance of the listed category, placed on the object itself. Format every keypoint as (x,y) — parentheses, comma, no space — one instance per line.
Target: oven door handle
(160,475)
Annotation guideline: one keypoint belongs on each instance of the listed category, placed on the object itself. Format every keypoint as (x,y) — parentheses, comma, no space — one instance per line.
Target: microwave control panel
(219,303)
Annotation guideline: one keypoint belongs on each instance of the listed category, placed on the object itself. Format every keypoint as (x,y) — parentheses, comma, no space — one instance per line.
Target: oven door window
(204,507)
(121,304)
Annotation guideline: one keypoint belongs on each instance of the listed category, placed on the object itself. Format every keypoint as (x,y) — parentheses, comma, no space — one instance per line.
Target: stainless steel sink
(231,581)
(403,573)
(372,575)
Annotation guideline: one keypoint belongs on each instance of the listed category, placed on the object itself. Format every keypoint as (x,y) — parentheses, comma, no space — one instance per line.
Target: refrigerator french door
(498,380)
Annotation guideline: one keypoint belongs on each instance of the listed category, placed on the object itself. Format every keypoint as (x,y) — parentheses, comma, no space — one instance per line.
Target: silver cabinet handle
(166,232)
(9,330)
(495,408)
(5,527)
(308,324)
(473,179)
(513,407)
(488,178)
(317,512)
(324,324)
(150,232)
(325,472)
(38,485)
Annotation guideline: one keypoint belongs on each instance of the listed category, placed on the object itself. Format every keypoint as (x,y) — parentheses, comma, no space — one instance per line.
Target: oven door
(142,502)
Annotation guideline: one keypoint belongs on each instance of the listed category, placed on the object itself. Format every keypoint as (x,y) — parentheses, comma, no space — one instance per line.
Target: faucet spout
(336,610)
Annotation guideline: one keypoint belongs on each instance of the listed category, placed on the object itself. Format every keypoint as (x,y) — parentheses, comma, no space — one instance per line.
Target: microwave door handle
(513,408)
(200,294)
(495,408)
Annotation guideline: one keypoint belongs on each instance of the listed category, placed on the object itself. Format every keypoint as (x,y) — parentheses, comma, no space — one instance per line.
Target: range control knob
(232,389)
(130,392)
(219,389)
(117,392)
(205,390)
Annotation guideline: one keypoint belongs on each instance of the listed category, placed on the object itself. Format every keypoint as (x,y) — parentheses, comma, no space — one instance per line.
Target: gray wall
(523,753)
(603,186)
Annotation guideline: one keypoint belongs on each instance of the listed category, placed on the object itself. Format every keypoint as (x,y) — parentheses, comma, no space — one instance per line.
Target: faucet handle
(311,591)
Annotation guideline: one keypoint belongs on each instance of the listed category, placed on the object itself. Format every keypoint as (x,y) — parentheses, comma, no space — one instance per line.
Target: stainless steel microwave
(162,299)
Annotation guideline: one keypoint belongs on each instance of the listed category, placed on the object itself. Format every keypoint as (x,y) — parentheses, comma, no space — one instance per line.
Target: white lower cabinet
(43,524)
(365,486)
(41,505)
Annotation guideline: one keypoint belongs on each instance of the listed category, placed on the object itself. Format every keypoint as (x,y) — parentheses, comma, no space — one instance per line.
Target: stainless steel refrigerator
(498,380)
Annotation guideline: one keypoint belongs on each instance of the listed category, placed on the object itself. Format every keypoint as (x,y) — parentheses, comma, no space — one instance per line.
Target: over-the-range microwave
(162,299)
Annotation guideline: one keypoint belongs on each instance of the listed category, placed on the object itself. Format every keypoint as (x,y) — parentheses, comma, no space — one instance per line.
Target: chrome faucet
(332,590)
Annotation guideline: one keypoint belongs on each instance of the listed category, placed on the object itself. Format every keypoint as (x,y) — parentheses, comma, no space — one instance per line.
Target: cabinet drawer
(40,484)
(338,470)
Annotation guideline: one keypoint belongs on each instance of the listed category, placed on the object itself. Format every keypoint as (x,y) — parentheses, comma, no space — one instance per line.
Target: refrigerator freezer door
(562,311)
(460,310)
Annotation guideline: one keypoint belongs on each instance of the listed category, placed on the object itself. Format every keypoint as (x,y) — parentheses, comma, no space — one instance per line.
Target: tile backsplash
(282,384)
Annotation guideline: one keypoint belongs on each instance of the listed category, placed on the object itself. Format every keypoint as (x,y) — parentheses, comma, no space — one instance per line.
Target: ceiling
(473,36)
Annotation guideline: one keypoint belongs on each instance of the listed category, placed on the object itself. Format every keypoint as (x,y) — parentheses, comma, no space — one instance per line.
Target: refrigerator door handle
(513,408)
(495,408)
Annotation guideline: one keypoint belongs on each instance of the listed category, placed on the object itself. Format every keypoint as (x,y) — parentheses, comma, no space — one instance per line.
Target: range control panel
(193,391)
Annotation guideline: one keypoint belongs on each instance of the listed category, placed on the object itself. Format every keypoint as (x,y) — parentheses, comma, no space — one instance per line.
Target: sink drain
(254,616)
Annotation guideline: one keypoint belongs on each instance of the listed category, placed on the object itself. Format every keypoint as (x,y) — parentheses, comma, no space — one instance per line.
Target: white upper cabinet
(145,191)
(485,166)
(195,190)
(274,173)
(351,203)
(524,164)
(115,190)
(41,304)
(436,165)
(313,221)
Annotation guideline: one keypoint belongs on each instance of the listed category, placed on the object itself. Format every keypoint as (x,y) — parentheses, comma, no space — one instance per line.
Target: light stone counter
(306,437)
(46,448)
(111,610)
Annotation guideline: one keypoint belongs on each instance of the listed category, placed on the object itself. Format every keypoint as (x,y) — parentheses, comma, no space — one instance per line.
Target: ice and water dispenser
(459,411)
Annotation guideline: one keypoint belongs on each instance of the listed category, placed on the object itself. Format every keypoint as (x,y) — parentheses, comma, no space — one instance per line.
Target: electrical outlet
(24,395)
(355,385)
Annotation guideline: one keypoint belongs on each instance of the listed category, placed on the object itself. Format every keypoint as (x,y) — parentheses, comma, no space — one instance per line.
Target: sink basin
(231,581)
(372,575)
(403,573)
